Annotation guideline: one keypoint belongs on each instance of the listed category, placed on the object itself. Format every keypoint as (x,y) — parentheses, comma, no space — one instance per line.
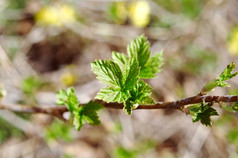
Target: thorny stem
(58,111)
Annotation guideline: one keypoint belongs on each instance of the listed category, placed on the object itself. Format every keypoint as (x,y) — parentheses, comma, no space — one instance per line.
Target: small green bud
(210,86)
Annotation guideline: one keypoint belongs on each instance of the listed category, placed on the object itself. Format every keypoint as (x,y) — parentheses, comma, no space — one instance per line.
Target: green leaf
(128,106)
(227,73)
(152,67)
(87,113)
(139,49)
(123,73)
(109,94)
(120,58)
(79,114)
(130,74)
(68,98)
(72,102)
(77,119)
(118,91)
(62,97)
(141,94)
(130,70)
(108,72)
(204,114)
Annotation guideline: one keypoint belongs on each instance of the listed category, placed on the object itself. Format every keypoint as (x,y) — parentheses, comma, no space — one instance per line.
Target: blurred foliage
(69,156)
(194,60)
(17,4)
(58,131)
(116,128)
(199,60)
(233,91)
(190,8)
(231,108)
(232,43)
(138,150)
(8,131)
(232,136)
(117,12)
(55,15)
(227,125)
(31,84)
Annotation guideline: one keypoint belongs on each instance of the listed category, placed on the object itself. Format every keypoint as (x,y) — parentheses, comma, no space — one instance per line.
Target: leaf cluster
(224,76)
(79,114)
(122,75)
(203,113)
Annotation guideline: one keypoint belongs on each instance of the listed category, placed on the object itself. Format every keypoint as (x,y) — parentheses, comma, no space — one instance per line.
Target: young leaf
(204,114)
(109,94)
(68,98)
(116,91)
(77,119)
(227,73)
(62,97)
(90,112)
(139,49)
(123,73)
(87,113)
(141,94)
(80,114)
(72,102)
(108,72)
(120,58)
(128,106)
(152,67)
(130,74)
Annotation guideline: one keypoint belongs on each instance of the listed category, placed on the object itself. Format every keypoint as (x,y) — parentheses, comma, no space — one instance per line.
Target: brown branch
(58,111)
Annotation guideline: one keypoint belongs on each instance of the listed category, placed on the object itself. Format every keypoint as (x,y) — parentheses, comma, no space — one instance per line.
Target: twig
(58,111)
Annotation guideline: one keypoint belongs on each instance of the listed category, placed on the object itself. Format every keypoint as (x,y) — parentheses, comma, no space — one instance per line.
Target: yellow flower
(55,15)
(139,13)
(233,43)
(68,78)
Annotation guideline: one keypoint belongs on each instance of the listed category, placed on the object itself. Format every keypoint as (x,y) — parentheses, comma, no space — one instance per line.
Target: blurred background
(47,45)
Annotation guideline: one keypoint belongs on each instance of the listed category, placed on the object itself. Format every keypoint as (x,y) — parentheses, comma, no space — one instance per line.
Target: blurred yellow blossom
(68,78)
(139,13)
(118,12)
(233,42)
(55,15)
